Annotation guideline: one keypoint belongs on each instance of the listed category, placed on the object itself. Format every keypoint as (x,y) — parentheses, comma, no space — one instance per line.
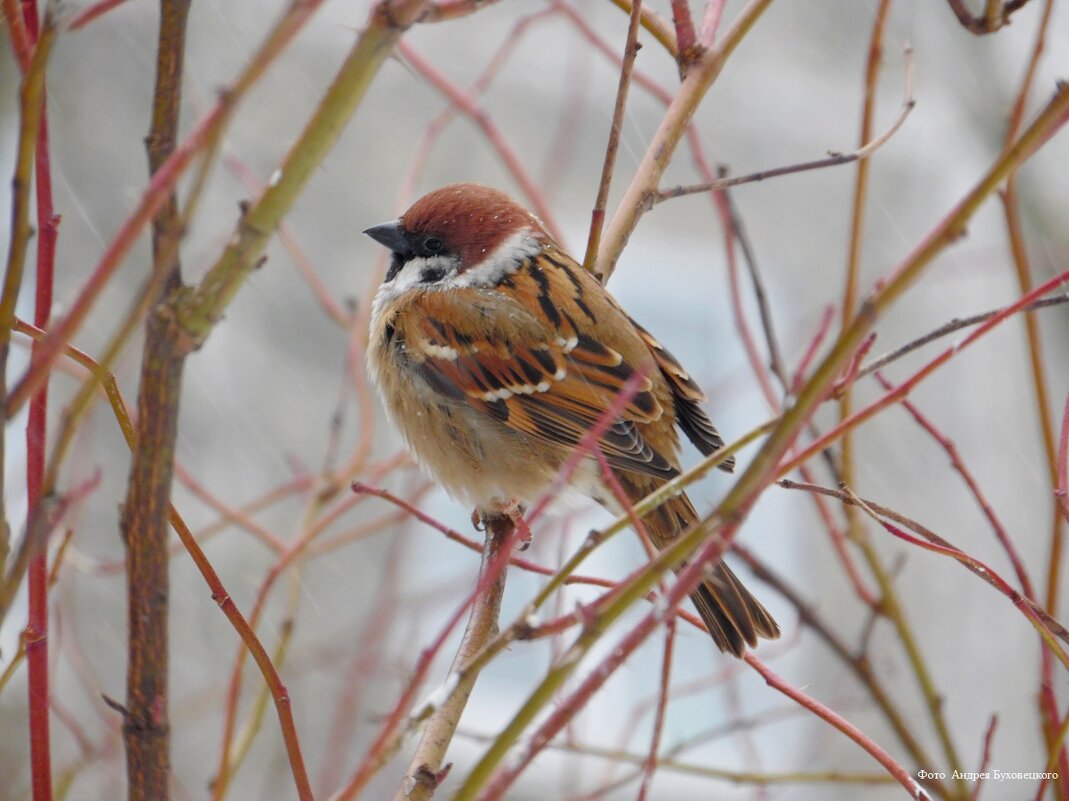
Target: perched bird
(495,352)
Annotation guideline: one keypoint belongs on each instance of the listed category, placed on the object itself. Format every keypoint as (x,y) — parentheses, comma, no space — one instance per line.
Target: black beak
(392,235)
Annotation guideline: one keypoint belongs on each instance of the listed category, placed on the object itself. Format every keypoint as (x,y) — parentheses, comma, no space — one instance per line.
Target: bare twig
(957,324)
(858,663)
(31,110)
(641,193)
(98,9)
(145,515)
(422,776)
(985,758)
(36,635)
(655,25)
(905,387)
(974,487)
(1061,489)
(631,47)
(833,160)
(467,106)
(995,15)
(820,710)
(653,757)
(1048,627)
(153,199)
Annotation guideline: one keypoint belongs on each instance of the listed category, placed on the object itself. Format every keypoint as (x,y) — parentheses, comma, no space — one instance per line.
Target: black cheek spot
(432,275)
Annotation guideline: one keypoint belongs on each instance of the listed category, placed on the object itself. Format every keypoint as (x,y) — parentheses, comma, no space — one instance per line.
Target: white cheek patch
(504,260)
(410,279)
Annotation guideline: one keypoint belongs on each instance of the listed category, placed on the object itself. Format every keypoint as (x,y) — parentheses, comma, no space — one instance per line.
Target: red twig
(650,767)
(98,9)
(151,201)
(588,443)
(850,730)
(970,481)
(1061,492)
(714,12)
(686,39)
(904,388)
(567,708)
(850,376)
(469,543)
(610,479)
(454,9)
(238,517)
(985,758)
(467,105)
(36,635)
(279,693)
(1047,626)
(22,43)
(811,350)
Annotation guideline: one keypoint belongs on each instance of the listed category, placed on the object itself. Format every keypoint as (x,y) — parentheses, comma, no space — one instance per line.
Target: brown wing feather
(503,364)
(687,394)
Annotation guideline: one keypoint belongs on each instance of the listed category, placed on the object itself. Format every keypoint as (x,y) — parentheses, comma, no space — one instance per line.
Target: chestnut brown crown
(465,222)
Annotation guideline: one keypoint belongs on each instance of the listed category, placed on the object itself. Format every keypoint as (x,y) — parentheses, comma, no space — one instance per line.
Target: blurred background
(273,400)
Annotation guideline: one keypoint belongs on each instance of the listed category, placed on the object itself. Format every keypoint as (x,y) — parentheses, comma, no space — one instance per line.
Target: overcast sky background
(260,396)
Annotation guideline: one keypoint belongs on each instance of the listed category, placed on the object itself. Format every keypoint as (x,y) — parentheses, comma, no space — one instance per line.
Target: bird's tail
(733,616)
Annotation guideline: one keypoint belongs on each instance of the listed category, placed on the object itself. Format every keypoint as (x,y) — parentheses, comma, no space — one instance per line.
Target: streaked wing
(689,415)
(502,361)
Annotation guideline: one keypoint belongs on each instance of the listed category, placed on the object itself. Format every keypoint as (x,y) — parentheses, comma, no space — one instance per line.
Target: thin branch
(36,634)
(631,47)
(993,18)
(833,160)
(31,111)
(957,324)
(906,387)
(98,9)
(1048,627)
(985,758)
(655,25)
(467,106)
(144,524)
(686,39)
(858,663)
(903,776)
(673,765)
(1061,490)
(154,197)
(444,10)
(652,758)
(422,776)
(640,195)
(974,488)
(21,43)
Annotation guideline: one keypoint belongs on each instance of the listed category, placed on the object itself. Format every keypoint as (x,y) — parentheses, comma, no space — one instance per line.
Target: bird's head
(462,235)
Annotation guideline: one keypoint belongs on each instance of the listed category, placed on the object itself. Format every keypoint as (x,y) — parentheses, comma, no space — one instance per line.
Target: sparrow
(495,352)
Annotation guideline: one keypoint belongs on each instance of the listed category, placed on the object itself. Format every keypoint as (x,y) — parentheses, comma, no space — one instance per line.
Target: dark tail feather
(733,616)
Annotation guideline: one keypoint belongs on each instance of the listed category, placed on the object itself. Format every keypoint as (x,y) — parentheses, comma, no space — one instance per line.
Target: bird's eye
(433,244)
